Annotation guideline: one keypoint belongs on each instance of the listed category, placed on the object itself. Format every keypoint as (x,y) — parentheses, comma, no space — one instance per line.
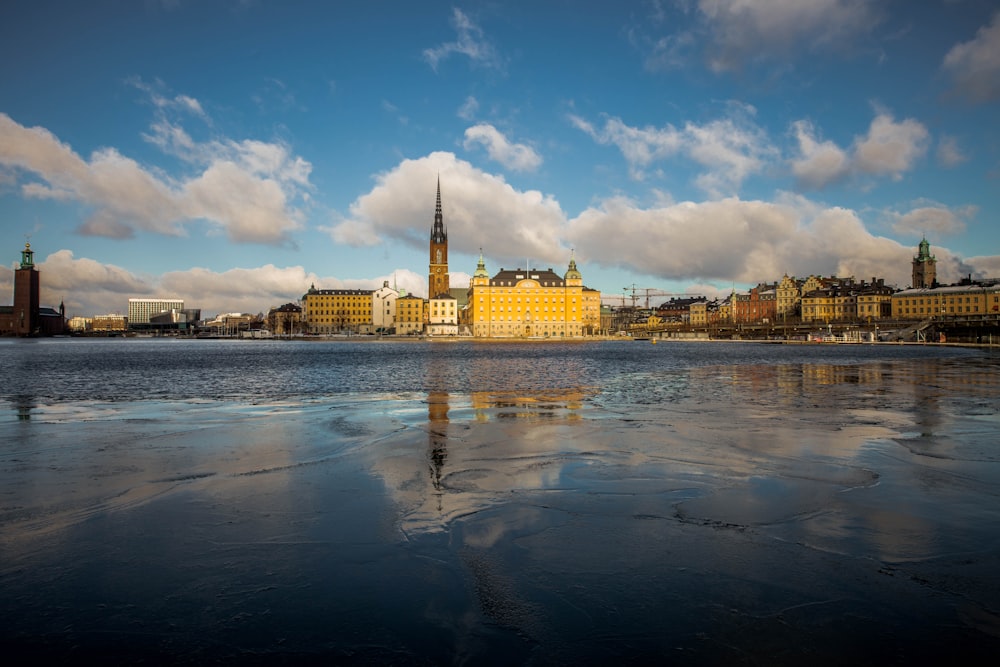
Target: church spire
(438,232)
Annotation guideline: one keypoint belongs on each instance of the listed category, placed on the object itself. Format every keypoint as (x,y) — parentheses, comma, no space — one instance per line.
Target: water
(498,503)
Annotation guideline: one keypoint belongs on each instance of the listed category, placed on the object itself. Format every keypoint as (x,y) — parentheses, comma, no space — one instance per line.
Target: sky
(234,153)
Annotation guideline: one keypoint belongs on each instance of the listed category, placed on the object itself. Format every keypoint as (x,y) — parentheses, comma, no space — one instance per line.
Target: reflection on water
(508,504)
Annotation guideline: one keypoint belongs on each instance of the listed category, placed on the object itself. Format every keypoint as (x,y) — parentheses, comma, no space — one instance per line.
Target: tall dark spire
(438,233)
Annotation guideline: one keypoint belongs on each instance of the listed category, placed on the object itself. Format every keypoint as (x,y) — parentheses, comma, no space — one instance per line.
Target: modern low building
(141,311)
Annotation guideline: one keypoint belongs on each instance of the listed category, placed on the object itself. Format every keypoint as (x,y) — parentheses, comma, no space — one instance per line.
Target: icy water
(268,502)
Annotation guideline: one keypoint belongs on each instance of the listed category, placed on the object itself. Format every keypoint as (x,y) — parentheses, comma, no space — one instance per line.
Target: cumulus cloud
(481,210)
(890,148)
(89,287)
(518,157)
(740,32)
(244,187)
(730,148)
(736,240)
(929,217)
(974,66)
(470,41)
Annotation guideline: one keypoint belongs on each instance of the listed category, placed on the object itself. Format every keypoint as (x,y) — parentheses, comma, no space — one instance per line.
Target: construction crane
(648,292)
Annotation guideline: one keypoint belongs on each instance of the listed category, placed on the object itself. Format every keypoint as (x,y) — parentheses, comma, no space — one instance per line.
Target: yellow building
(410,315)
(334,311)
(534,303)
(951,301)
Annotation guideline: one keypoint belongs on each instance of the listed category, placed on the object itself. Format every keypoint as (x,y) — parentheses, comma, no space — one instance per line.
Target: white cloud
(820,162)
(518,157)
(91,288)
(929,217)
(975,65)
(736,240)
(480,211)
(731,148)
(890,148)
(245,187)
(470,41)
(949,153)
(469,108)
(741,32)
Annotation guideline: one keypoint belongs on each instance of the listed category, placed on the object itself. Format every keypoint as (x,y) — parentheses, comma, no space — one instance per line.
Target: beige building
(523,303)
(410,315)
(337,311)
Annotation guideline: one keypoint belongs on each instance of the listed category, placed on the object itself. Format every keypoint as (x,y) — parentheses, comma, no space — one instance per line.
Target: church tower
(26,294)
(924,267)
(437,279)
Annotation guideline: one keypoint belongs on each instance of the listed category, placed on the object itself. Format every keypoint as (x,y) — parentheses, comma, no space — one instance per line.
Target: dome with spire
(571,272)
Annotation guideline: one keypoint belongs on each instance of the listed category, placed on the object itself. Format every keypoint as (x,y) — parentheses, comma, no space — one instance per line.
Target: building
(442,315)
(924,267)
(524,303)
(384,308)
(758,306)
(337,311)
(109,324)
(968,298)
(844,300)
(410,315)
(438,282)
(26,317)
(141,311)
(285,320)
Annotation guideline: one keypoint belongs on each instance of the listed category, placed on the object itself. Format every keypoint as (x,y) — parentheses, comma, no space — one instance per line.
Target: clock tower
(437,279)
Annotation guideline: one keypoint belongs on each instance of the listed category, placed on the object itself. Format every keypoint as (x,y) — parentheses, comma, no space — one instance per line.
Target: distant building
(384,308)
(924,267)
(26,317)
(966,298)
(438,281)
(141,311)
(337,311)
(442,315)
(285,320)
(110,324)
(846,300)
(410,315)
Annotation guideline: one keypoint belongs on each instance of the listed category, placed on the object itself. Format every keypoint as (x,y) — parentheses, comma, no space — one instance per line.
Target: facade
(757,306)
(410,315)
(110,324)
(384,308)
(285,320)
(524,303)
(924,267)
(26,317)
(438,282)
(965,299)
(442,315)
(844,300)
(337,311)
(140,311)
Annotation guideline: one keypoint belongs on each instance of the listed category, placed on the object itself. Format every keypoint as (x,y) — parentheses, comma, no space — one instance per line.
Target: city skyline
(234,153)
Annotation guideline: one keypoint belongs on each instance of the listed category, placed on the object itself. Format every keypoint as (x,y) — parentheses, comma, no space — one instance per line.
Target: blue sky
(234,153)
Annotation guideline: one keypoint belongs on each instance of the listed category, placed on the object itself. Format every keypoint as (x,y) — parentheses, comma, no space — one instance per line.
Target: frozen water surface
(467,503)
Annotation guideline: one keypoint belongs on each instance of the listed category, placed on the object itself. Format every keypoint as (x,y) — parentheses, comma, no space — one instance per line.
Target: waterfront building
(532,304)
(438,281)
(384,308)
(758,306)
(844,300)
(337,311)
(26,317)
(109,324)
(788,297)
(678,310)
(285,320)
(140,311)
(967,298)
(410,315)
(924,267)
(442,315)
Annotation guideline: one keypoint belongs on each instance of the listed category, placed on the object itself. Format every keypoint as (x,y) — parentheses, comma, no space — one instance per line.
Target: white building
(140,310)
(384,308)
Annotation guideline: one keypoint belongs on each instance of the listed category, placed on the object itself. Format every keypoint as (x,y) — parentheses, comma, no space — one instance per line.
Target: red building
(26,317)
